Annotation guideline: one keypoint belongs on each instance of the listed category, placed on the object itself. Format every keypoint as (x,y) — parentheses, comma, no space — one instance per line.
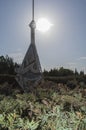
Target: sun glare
(43,25)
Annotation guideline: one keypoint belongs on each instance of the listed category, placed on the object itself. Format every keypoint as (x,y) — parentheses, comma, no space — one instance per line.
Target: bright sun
(43,25)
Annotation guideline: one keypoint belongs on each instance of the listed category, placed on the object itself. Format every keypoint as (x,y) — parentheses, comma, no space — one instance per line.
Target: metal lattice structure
(30,70)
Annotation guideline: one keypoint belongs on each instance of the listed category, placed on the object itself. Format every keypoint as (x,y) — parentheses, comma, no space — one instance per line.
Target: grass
(48,106)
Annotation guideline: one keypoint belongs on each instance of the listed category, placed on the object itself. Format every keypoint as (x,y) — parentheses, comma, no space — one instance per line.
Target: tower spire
(32,9)
(32,25)
(30,70)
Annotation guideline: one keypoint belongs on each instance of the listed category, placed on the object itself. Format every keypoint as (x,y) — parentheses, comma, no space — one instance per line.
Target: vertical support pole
(32,9)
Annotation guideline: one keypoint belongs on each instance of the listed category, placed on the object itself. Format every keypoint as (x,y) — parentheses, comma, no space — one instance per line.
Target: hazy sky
(63,45)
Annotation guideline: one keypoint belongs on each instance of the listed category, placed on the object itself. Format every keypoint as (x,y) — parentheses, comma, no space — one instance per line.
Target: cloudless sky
(63,45)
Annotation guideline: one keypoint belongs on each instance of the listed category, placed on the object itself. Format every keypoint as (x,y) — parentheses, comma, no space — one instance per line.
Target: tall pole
(32,9)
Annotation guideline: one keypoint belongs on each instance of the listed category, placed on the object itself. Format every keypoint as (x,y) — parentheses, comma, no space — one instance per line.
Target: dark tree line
(65,76)
(62,72)
(7,66)
(62,75)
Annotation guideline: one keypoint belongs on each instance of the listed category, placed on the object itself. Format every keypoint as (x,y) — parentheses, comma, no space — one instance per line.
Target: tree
(7,66)
(45,73)
(76,72)
(65,72)
(82,73)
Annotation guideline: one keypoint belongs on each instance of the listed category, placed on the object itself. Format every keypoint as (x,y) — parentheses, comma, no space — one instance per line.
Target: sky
(63,45)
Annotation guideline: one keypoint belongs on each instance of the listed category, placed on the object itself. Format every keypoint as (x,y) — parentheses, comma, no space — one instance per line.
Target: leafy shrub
(71,84)
(43,109)
(14,122)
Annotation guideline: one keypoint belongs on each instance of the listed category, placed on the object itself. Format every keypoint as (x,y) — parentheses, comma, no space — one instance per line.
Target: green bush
(43,109)
(72,84)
